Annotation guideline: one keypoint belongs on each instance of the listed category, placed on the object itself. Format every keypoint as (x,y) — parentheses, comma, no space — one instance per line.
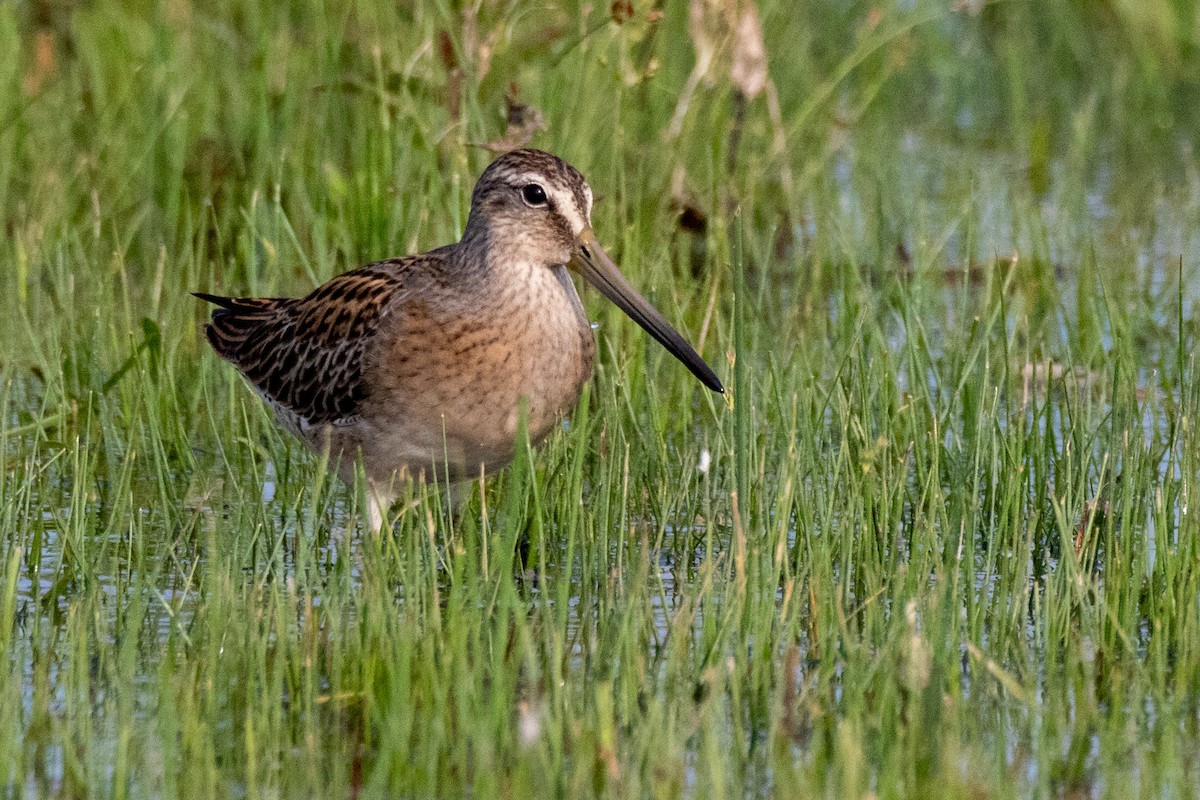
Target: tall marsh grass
(939,539)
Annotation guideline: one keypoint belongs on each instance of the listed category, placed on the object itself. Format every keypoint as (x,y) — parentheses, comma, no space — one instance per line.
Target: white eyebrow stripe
(564,204)
(530,177)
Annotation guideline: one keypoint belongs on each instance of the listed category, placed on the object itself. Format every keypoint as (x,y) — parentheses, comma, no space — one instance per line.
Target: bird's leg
(379,503)
(459,495)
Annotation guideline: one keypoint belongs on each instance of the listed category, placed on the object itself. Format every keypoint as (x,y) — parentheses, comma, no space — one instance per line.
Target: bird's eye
(534,195)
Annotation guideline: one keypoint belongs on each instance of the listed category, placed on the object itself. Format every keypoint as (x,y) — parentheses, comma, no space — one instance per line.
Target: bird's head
(532,207)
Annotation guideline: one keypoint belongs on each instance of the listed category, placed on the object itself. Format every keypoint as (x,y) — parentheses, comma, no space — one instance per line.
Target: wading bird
(421,365)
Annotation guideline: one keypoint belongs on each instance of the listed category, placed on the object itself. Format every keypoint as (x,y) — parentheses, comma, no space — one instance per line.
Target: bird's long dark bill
(598,269)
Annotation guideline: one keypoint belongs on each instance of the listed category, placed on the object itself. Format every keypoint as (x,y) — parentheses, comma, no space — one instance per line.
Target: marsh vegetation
(940,539)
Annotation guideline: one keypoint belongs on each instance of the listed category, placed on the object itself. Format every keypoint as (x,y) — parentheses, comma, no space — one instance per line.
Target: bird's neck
(501,253)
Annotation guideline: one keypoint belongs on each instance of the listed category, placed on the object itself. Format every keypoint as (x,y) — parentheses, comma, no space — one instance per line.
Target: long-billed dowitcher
(422,363)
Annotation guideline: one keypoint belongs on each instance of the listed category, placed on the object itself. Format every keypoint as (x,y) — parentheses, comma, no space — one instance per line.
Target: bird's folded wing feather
(307,354)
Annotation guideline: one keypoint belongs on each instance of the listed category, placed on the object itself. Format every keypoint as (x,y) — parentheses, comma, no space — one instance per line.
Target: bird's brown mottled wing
(306,355)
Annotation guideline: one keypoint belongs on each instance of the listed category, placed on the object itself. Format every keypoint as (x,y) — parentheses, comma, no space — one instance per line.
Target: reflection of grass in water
(961,557)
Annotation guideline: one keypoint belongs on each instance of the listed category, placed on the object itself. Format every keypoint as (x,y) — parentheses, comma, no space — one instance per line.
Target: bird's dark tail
(237,322)
(217,300)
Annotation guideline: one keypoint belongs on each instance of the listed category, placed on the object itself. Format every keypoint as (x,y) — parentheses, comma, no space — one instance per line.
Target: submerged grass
(936,542)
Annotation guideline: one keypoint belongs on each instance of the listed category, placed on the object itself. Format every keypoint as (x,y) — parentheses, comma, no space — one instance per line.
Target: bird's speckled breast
(450,381)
